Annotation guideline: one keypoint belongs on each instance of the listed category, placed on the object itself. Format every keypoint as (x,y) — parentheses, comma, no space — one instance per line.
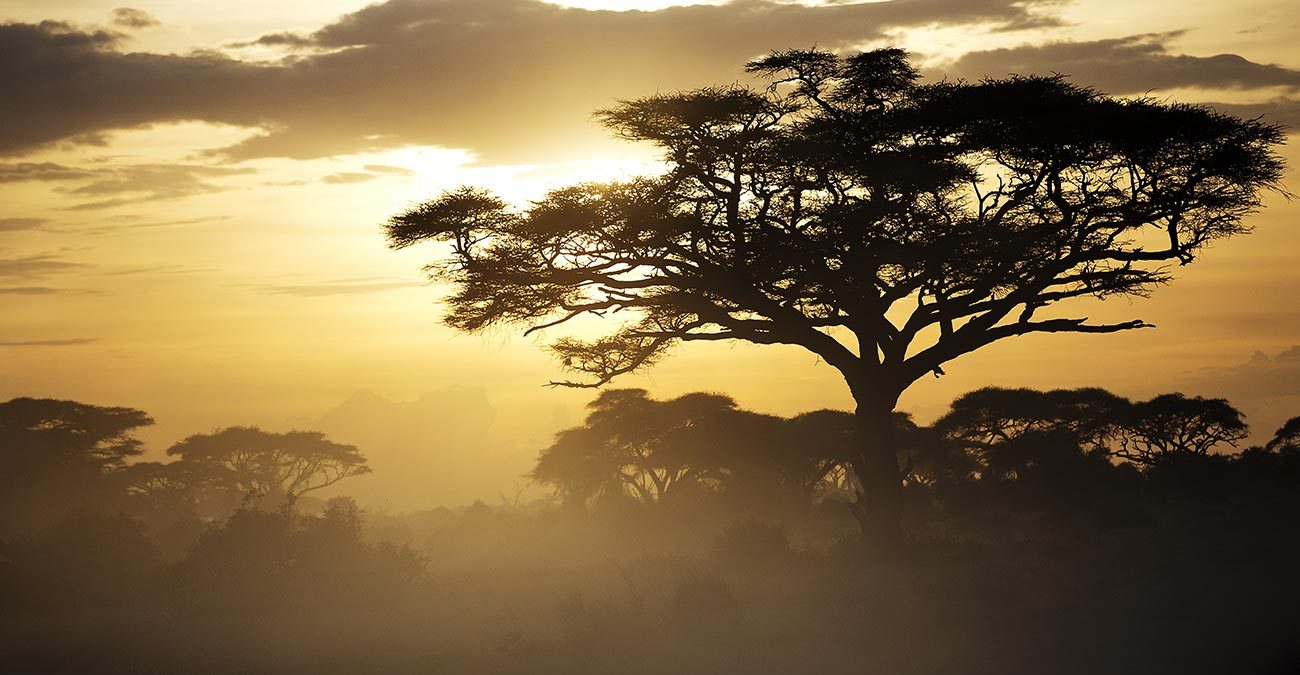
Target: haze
(191,197)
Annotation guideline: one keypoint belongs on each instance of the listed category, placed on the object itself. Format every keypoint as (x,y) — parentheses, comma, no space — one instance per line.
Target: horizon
(215,257)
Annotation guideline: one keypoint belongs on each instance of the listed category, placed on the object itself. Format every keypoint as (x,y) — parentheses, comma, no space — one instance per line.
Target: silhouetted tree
(180,489)
(886,226)
(60,457)
(1174,423)
(630,442)
(263,465)
(989,421)
(1287,437)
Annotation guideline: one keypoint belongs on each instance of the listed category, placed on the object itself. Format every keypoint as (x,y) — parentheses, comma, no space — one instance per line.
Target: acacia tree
(990,422)
(62,456)
(886,225)
(1174,423)
(1287,438)
(632,443)
(259,464)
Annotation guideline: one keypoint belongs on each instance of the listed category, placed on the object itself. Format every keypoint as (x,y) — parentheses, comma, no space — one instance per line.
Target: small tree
(264,465)
(885,225)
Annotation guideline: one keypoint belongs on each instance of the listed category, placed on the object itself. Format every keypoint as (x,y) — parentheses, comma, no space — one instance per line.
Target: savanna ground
(1204,585)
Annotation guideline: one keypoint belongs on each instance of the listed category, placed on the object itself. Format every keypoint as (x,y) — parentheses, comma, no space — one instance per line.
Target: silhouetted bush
(258,560)
(81,561)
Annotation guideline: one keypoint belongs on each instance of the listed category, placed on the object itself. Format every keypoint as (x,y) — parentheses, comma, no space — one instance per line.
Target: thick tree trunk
(879,505)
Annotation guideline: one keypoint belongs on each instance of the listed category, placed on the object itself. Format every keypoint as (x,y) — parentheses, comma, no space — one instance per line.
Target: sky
(192,194)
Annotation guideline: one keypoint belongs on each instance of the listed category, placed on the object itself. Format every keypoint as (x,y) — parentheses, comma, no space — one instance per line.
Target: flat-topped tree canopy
(259,463)
(884,224)
(847,189)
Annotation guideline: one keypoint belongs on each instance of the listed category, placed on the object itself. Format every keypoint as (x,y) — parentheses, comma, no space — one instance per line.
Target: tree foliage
(990,423)
(886,225)
(261,464)
(846,192)
(1286,438)
(1174,423)
(49,431)
(62,457)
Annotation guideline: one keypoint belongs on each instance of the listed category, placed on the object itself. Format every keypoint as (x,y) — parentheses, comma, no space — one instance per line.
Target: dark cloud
(36,265)
(15,224)
(129,17)
(344,178)
(509,78)
(39,171)
(67,342)
(60,82)
(1128,65)
(150,182)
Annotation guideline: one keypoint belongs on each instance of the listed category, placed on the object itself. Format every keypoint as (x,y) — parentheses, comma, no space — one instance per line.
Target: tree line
(65,457)
(632,446)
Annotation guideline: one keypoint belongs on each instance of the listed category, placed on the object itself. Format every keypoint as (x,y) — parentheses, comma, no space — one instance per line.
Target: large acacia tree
(886,225)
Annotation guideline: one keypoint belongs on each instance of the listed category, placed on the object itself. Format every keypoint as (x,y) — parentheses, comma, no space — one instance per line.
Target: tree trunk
(879,505)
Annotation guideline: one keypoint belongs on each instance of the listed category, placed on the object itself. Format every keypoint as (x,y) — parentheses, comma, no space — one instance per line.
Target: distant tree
(632,443)
(1176,424)
(885,225)
(67,432)
(180,489)
(263,465)
(60,456)
(1287,437)
(990,421)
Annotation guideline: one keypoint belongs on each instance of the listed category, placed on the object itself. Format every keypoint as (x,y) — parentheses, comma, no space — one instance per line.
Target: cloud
(67,342)
(1128,65)
(39,171)
(15,224)
(150,182)
(37,290)
(37,265)
(1266,388)
(128,17)
(335,288)
(1261,376)
(157,269)
(62,82)
(1282,110)
(511,79)
(344,178)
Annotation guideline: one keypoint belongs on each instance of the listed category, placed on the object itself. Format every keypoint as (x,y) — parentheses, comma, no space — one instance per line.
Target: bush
(259,559)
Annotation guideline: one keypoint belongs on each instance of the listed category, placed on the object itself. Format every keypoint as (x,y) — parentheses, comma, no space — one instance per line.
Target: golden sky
(191,196)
